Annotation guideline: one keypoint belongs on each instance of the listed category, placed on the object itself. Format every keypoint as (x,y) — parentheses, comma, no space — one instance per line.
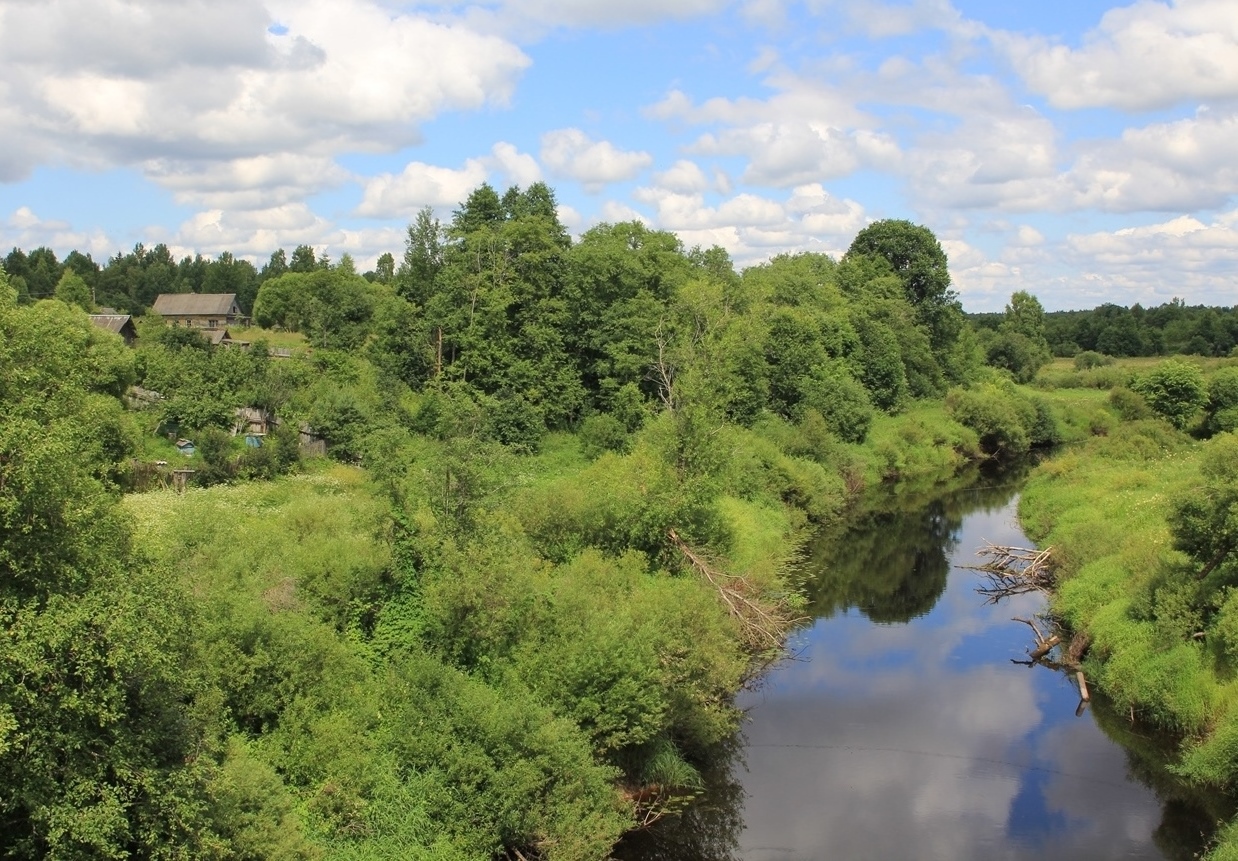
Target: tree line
(1173,328)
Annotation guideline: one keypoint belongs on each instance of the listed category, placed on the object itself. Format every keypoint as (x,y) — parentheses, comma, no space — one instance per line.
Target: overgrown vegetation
(507,618)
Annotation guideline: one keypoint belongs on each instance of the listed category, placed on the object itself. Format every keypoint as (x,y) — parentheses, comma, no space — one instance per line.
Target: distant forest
(130,282)
(1174,328)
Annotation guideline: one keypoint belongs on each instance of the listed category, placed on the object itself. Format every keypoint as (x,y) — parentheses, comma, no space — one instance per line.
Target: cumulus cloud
(572,154)
(1186,165)
(418,185)
(752,227)
(1006,161)
(518,168)
(255,234)
(189,82)
(24,228)
(683,176)
(604,13)
(885,20)
(1144,56)
(246,183)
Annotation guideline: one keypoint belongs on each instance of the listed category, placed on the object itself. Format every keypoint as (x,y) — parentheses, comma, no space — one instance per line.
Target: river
(902,728)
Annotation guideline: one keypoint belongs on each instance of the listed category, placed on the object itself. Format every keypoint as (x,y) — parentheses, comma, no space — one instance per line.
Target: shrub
(1174,390)
(602,433)
(1089,359)
(1001,417)
(841,401)
(1222,402)
(1129,405)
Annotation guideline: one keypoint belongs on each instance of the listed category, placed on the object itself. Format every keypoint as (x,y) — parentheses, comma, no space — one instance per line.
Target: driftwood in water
(763,622)
(1044,645)
(1067,663)
(1014,571)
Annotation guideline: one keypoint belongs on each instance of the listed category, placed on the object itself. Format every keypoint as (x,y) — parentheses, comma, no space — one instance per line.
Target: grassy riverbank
(1142,520)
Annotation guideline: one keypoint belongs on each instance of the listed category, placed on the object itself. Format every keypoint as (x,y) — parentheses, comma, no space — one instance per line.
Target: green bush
(602,433)
(1222,407)
(1174,390)
(1129,405)
(1089,359)
(1001,417)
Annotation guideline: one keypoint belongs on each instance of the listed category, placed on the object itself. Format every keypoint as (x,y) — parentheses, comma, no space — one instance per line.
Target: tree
(1175,390)
(97,747)
(917,258)
(276,266)
(1020,345)
(226,274)
(72,290)
(423,258)
(914,254)
(303,259)
(384,269)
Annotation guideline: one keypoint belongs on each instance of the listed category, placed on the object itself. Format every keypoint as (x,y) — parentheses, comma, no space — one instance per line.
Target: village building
(200,310)
(121,324)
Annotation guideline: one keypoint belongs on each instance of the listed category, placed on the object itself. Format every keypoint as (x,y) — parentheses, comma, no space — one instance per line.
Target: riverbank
(1128,517)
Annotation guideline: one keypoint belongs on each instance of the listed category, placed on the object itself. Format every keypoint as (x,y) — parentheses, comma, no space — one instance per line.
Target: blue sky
(1083,151)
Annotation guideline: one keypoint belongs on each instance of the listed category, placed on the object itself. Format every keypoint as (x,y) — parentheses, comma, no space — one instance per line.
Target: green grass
(273,337)
(1102,506)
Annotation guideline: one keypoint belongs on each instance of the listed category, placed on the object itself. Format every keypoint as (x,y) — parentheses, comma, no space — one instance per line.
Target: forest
(556,531)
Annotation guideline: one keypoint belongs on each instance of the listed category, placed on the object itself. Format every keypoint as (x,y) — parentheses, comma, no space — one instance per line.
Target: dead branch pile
(1014,571)
(763,622)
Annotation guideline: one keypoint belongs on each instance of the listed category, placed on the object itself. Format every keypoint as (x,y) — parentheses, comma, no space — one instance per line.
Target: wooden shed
(121,324)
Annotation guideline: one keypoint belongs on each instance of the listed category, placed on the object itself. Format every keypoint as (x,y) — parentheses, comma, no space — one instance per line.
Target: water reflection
(892,559)
(921,739)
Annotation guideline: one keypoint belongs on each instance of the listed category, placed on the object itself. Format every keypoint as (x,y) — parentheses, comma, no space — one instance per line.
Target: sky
(1084,151)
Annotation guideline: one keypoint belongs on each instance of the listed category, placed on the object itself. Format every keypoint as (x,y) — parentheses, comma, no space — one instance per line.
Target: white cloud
(788,153)
(26,229)
(572,154)
(751,227)
(884,20)
(517,167)
(187,82)
(1143,56)
(1005,160)
(246,183)
(531,19)
(418,185)
(1185,165)
(683,176)
(255,234)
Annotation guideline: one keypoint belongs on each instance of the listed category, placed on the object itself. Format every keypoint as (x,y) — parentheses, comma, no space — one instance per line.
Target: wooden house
(121,324)
(200,310)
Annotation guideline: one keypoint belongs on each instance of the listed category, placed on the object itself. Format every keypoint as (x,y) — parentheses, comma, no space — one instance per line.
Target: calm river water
(901,729)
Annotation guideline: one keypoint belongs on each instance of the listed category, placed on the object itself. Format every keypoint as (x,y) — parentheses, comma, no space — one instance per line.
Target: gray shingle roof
(111,322)
(186,304)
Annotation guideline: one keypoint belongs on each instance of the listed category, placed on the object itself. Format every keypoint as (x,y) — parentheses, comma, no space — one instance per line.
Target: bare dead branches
(763,623)
(663,370)
(1014,571)
(1068,658)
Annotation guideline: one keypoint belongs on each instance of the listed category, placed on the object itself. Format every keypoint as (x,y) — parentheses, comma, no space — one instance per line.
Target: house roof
(216,336)
(177,304)
(111,322)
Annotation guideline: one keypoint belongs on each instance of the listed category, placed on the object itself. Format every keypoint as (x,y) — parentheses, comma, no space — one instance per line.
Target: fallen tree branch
(763,623)
(1014,571)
